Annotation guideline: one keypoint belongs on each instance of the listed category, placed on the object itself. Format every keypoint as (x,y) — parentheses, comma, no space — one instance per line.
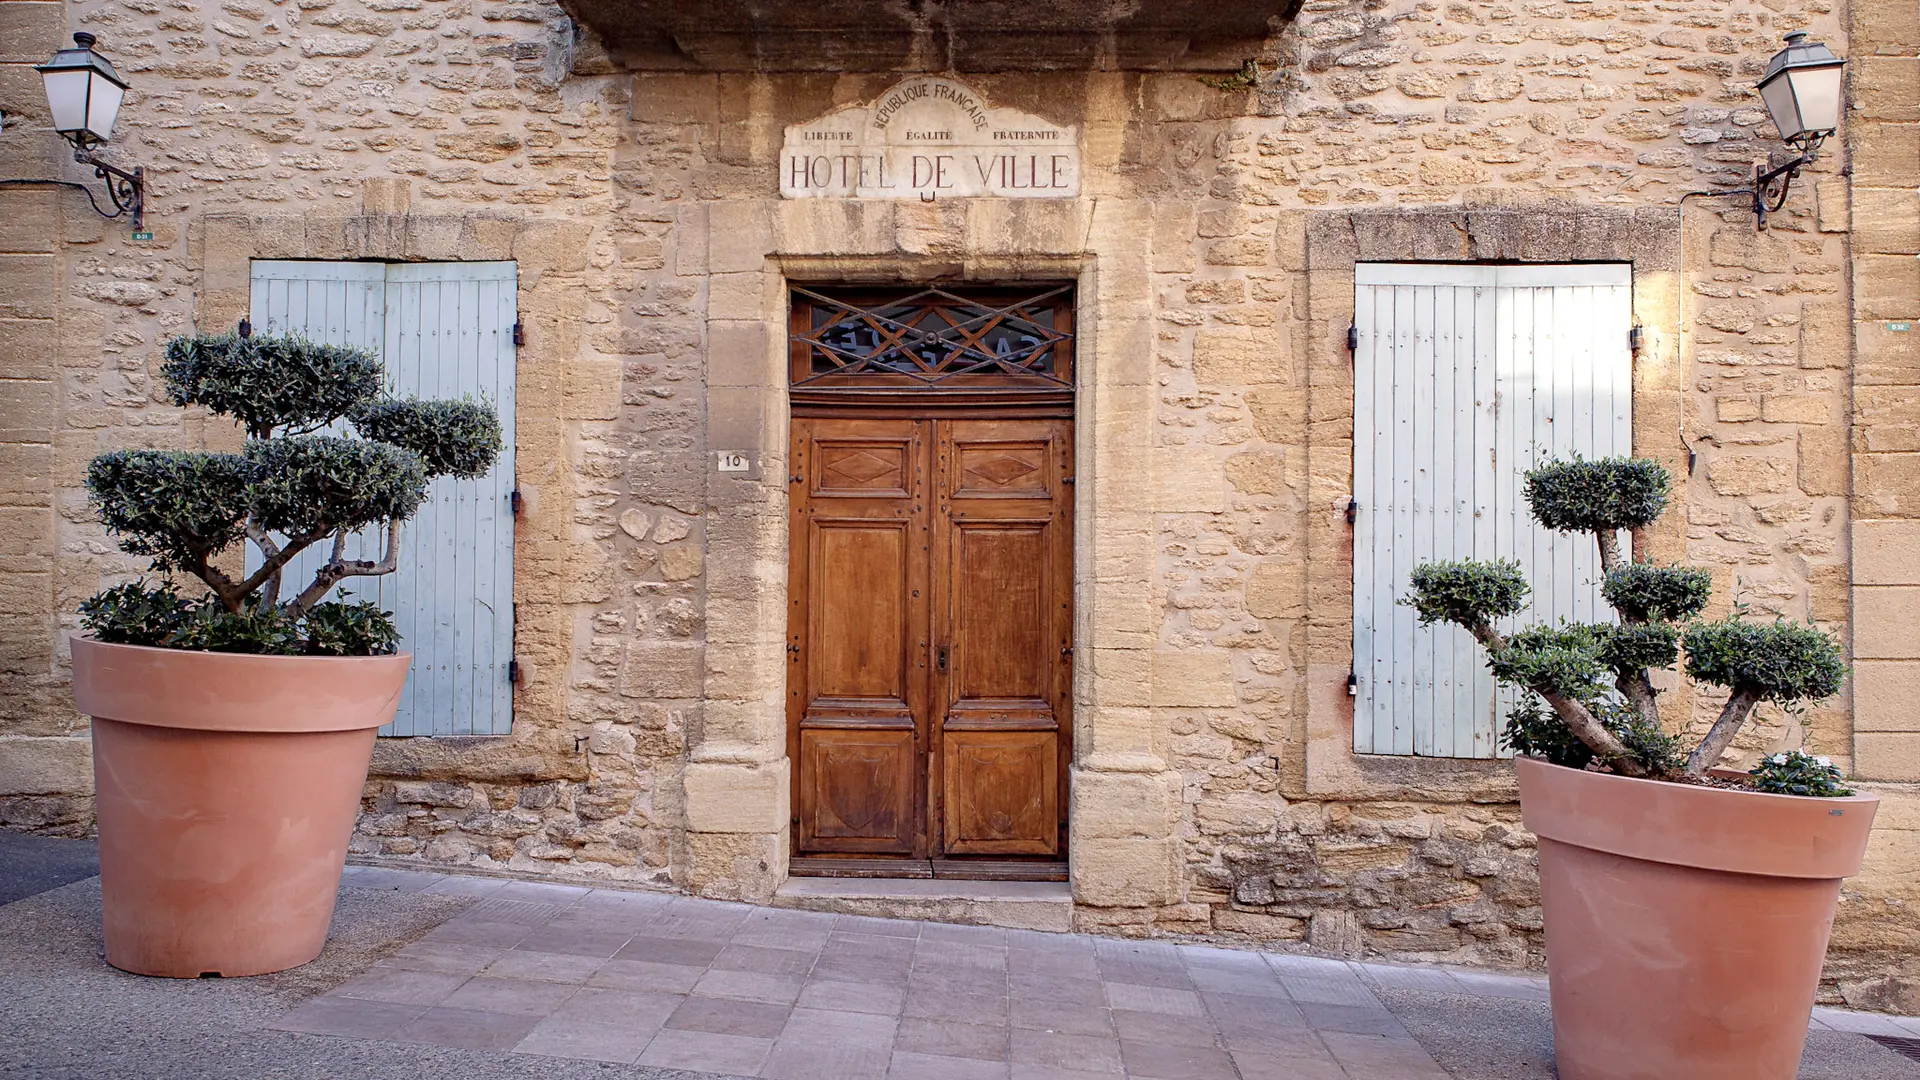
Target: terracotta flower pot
(1685,925)
(226,787)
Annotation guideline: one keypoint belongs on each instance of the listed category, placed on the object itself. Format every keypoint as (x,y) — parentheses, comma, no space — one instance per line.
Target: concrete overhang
(932,35)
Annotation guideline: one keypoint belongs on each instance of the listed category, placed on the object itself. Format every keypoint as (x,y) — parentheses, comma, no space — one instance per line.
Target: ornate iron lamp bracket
(126,191)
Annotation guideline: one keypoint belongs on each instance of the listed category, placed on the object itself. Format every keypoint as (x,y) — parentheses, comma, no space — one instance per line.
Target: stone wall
(1213,241)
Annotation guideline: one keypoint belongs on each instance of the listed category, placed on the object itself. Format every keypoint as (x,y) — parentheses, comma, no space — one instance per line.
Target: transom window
(916,337)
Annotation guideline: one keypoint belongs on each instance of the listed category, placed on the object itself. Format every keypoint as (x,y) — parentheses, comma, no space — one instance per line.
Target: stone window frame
(1648,239)
(550,257)
(737,782)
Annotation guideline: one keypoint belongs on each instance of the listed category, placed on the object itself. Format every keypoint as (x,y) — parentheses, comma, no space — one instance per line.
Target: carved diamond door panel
(857,710)
(931,584)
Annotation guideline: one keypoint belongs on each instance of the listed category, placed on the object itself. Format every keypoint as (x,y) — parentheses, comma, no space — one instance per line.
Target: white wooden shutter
(442,330)
(1465,376)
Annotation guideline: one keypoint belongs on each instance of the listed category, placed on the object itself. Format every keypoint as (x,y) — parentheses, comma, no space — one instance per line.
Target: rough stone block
(29,217)
(1121,738)
(1887,755)
(28,410)
(552,245)
(1886,287)
(51,766)
(1259,925)
(26,474)
(1274,591)
(724,797)
(1886,553)
(1193,679)
(1887,485)
(1750,474)
(26,286)
(1884,622)
(1886,695)
(386,195)
(1886,221)
(1885,87)
(30,31)
(735,866)
(1235,356)
(740,236)
(1124,872)
(1186,482)
(1822,464)
(741,353)
(662,670)
(27,349)
(1122,805)
(25,594)
(757,724)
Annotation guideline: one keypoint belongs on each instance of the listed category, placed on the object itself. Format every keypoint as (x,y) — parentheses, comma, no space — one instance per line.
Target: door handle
(940,659)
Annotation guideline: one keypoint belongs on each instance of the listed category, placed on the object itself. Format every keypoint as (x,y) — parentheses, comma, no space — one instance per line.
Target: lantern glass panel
(103,106)
(67,97)
(1816,92)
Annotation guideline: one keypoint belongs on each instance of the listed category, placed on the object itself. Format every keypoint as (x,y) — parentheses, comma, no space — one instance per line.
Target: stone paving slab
(656,979)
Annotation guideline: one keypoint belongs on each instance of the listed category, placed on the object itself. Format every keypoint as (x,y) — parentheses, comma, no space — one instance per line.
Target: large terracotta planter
(1685,925)
(226,787)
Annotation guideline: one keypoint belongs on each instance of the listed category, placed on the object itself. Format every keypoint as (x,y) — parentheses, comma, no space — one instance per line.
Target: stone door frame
(1124,794)
(1648,239)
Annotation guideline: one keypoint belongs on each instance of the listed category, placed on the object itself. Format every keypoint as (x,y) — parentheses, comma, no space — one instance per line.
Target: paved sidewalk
(431,977)
(675,982)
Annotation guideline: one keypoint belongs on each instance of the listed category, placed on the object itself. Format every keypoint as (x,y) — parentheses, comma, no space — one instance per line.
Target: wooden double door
(930,644)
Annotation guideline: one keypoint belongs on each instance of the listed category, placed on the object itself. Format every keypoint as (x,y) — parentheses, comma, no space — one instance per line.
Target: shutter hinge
(1635,338)
(1353,685)
(519,332)
(513,501)
(513,672)
(246,329)
(1353,339)
(1353,510)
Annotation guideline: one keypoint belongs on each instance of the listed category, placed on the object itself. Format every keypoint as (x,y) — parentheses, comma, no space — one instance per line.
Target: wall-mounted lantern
(1802,89)
(84,94)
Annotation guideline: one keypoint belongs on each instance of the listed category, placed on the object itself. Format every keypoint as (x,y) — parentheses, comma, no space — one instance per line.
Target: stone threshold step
(1016,905)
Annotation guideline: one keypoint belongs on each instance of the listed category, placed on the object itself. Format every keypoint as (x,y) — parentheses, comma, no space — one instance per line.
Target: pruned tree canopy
(1591,693)
(289,489)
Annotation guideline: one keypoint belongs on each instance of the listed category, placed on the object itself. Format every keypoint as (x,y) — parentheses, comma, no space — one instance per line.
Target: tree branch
(1733,717)
(1609,549)
(338,569)
(270,595)
(1638,689)
(1585,727)
(271,567)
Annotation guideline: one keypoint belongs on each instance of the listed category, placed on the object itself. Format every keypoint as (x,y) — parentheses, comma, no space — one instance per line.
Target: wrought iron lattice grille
(933,338)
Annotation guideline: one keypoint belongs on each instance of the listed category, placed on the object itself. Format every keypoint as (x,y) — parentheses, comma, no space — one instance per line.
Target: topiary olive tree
(289,489)
(1594,679)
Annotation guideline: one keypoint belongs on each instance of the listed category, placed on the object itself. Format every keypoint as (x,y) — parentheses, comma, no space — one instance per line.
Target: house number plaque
(929,139)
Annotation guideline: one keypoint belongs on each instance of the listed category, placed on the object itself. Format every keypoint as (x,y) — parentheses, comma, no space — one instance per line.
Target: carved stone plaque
(929,138)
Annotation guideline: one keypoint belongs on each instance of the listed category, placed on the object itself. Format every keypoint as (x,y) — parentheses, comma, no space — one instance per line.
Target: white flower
(1778,759)
(1824,762)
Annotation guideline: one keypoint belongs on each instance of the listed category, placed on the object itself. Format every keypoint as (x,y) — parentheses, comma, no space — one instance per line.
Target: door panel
(1002,583)
(862,637)
(859,790)
(929,635)
(857,712)
(1002,796)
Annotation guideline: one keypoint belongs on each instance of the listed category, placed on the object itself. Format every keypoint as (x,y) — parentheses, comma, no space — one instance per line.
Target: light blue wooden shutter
(443,330)
(1465,377)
